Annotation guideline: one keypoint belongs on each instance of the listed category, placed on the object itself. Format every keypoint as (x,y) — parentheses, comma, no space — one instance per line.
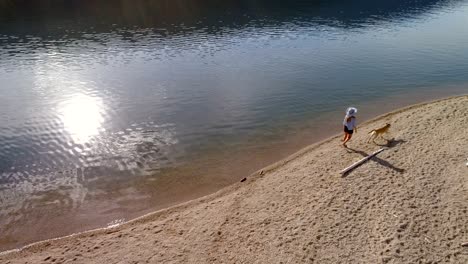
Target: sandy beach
(409,204)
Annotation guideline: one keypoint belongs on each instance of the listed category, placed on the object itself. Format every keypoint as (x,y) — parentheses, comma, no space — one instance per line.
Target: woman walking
(349,123)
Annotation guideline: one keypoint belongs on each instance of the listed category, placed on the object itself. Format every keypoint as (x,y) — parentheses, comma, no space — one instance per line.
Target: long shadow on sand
(390,144)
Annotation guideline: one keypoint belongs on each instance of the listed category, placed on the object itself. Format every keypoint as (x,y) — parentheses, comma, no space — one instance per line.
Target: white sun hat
(351,111)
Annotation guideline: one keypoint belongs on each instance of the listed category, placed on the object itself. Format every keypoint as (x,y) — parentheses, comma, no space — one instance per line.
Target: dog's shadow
(391,143)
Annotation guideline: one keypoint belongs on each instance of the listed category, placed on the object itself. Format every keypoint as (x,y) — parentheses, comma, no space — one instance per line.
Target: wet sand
(407,205)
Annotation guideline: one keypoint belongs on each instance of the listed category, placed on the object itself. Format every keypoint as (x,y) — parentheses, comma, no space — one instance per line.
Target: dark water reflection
(111,109)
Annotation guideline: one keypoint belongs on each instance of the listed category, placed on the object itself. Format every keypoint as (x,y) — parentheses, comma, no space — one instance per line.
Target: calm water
(111,109)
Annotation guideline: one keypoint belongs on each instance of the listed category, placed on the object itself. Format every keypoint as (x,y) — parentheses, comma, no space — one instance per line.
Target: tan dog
(378,132)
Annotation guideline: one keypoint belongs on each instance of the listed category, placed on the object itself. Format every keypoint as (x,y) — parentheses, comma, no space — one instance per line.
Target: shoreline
(210,172)
(252,178)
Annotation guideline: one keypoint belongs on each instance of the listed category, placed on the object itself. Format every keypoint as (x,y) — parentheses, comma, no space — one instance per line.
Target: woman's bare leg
(347,138)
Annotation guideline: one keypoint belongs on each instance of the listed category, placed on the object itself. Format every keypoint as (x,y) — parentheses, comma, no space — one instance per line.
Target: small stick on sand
(361,161)
(464,244)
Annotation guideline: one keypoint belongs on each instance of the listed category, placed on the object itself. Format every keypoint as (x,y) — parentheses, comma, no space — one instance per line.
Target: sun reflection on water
(82,117)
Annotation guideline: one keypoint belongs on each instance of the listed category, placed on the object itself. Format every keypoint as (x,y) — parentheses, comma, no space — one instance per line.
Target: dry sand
(407,205)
